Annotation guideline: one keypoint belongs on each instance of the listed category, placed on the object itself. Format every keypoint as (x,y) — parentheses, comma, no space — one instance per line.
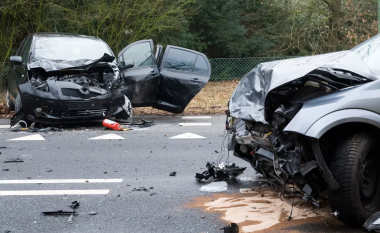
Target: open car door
(140,73)
(184,73)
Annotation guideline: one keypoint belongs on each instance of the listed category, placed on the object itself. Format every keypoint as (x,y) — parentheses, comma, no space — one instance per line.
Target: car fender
(329,121)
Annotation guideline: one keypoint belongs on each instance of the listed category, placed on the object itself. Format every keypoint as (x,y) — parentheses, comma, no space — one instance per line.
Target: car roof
(60,34)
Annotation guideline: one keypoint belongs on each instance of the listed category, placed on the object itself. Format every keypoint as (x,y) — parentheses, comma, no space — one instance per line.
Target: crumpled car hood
(247,101)
(82,64)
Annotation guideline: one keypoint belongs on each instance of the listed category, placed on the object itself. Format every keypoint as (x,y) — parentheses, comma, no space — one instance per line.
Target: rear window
(180,60)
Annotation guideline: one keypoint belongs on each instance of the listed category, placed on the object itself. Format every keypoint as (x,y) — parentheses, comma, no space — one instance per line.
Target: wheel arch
(344,120)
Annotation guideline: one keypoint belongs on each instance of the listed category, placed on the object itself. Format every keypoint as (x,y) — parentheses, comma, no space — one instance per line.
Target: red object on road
(112,125)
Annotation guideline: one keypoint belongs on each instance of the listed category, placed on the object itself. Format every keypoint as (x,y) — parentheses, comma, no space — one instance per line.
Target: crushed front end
(266,126)
(73,95)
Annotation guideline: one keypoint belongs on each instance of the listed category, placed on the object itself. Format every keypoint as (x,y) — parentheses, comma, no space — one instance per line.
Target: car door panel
(142,80)
(141,89)
(181,80)
(19,73)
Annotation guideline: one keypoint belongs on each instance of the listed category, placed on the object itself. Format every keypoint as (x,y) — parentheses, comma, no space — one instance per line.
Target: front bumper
(44,107)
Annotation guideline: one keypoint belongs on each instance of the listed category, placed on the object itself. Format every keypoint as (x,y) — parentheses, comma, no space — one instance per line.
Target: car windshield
(68,48)
(369,52)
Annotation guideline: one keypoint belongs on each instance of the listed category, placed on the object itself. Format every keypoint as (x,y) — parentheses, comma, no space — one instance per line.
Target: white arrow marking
(34,137)
(188,136)
(107,136)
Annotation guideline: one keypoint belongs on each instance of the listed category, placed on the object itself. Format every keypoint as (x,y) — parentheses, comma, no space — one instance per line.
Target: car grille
(78,113)
(76,93)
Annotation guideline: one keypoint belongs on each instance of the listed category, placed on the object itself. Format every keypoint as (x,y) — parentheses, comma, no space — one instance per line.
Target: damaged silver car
(62,78)
(313,122)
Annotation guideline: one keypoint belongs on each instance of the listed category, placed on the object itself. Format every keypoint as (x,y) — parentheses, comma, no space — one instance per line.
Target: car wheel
(10,104)
(355,167)
(18,104)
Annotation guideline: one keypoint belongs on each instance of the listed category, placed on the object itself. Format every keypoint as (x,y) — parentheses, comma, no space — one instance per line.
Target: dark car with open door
(63,78)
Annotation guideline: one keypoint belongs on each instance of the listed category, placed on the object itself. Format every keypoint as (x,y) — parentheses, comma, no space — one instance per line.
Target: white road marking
(214,187)
(54,192)
(188,136)
(107,136)
(5,126)
(61,181)
(196,117)
(34,137)
(194,124)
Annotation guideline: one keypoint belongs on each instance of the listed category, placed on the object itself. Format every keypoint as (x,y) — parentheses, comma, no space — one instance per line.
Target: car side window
(26,49)
(140,54)
(201,66)
(179,59)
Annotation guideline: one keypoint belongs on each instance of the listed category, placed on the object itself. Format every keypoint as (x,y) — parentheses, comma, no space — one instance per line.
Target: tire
(10,104)
(18,104)
(354,166)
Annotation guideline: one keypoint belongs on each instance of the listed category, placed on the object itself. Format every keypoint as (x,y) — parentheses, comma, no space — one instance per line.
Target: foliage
(219,28)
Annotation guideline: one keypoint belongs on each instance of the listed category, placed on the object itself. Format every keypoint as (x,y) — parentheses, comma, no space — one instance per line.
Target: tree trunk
(334,24)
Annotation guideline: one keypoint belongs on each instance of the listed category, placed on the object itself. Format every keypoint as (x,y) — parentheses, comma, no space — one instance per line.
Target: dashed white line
(54,192)
(196,117)
(61,181)
(194,124)
(5,126)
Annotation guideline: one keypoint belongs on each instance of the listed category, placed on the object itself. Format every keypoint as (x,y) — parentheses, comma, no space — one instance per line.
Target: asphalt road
(143,157)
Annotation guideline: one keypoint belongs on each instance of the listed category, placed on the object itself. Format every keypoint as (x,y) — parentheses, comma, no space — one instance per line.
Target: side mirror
(128,64)
(16,60)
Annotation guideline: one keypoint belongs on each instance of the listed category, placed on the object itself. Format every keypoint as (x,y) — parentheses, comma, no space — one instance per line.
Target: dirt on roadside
(262,210)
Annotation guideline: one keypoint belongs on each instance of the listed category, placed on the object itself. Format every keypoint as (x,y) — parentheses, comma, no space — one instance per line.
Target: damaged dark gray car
(63,78)
(313,122)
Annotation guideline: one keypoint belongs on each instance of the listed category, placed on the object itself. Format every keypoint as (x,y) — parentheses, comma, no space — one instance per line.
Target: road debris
(153,194)
(373,222)
(172,173)
(233,228)
(215,187)
(5,170)
(59,212)
(14,161)
(70,220)
(141,189)
(74,205)
(112,125)
(92,213)
(220,172)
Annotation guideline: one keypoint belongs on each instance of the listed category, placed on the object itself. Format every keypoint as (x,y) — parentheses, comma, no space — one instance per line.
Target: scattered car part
(70,220)
(59,212)
(373,222)
(220,172)
(74,205)
(313,122)
(14,161)
(172,173)
(233,228)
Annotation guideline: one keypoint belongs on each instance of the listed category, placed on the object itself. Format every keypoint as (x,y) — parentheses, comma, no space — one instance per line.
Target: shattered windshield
(68,48)
(369,52)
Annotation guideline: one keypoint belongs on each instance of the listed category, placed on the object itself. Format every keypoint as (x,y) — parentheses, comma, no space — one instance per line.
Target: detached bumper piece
(373,223)
(220,172)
